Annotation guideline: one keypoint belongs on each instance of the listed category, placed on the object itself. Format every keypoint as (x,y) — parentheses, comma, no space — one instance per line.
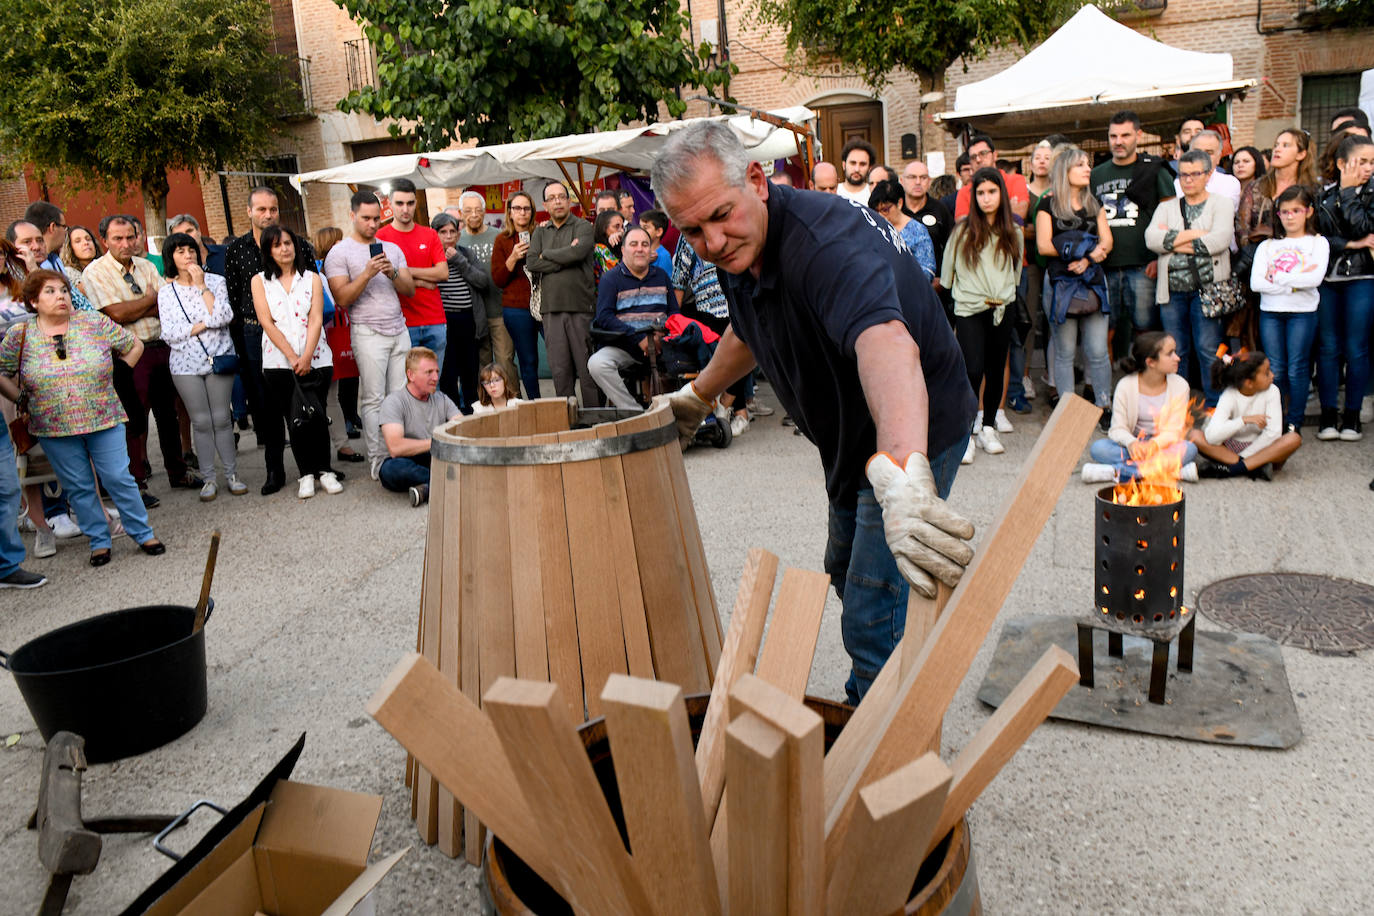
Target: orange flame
(1159,462)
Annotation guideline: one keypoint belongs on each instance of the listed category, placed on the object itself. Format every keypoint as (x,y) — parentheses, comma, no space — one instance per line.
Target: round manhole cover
(1318,613)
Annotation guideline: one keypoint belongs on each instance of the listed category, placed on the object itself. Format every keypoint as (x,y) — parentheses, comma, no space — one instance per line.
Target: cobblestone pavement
(317,600)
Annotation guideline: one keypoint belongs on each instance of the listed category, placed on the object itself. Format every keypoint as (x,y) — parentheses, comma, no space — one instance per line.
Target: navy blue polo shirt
(830,271)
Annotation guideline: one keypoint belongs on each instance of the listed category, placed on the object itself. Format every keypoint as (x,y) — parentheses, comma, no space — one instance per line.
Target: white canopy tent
(1090,68)
(574,158)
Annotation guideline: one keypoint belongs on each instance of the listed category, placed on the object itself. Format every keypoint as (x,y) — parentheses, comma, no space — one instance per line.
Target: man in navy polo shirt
(859,351)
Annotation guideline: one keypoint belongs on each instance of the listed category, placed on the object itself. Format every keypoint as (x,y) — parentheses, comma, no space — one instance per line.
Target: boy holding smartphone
(368,276)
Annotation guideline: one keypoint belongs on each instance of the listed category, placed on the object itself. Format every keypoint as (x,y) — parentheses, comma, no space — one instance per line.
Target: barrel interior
(107,639)
(517,888)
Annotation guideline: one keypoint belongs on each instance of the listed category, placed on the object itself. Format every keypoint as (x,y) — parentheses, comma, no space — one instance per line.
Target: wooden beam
(555,775)
(651,745)
(737,657)
(887,842)
(785,660)
(1003,734)
(805,733)
(465,754)
(756,766)
(887,734)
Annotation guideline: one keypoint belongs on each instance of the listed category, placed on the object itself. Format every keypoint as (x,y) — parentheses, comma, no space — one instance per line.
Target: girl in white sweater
(1243,435)
(1287,271)
(1150,405)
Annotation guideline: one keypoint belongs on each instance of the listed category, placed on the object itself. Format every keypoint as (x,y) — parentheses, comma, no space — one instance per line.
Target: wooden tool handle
(204,601)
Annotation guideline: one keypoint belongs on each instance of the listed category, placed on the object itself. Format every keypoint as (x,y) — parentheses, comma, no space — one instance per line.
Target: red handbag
(339,336)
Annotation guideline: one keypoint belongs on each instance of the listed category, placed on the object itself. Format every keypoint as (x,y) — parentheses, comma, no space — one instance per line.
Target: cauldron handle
(179,822)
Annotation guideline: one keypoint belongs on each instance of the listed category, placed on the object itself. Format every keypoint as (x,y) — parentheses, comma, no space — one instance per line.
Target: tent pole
(572,185)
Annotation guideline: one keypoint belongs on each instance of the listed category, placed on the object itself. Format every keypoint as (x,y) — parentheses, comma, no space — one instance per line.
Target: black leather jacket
(1347,215)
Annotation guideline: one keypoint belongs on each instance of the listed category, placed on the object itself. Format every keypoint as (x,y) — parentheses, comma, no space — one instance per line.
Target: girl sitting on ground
(1244,434)
(495,389)
(1152,383)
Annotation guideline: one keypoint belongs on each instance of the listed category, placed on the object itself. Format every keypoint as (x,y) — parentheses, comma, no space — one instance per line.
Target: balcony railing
(361,64)
(295,79)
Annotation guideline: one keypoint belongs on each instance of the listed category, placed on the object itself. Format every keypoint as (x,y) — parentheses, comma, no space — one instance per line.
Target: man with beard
(858,156)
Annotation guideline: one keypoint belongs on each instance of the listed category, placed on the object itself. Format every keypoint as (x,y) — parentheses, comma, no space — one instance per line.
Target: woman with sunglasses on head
(508,270)
(195,313)
(60,360)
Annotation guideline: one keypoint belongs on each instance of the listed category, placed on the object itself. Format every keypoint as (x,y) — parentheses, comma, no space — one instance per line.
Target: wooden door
(841,123)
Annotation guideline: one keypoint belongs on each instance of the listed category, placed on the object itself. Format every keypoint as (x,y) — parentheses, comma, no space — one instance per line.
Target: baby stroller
(681,351)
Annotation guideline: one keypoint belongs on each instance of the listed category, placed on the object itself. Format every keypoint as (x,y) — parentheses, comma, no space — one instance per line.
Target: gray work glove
(928,539)
(689,409)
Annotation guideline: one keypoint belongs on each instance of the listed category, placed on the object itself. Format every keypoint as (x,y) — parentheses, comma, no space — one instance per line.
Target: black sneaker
(419,495)
(22,578)
(149,500)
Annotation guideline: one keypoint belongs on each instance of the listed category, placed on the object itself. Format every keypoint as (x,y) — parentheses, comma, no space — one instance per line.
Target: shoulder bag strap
(22,404)
(188,321)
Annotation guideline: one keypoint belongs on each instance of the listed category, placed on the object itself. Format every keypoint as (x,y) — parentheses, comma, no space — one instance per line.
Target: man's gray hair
(1198,156)
(466,194)
(182,219)
(677,164)
(1210,135)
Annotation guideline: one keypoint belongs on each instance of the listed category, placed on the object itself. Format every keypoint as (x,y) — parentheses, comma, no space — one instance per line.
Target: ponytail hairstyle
(1147,346)
(1232,371)
(1303,194)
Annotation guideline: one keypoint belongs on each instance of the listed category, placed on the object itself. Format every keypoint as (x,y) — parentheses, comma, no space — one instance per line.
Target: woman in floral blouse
(60,360)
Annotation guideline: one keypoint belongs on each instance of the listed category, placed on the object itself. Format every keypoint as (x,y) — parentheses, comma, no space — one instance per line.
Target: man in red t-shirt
(983,155)
(424,311)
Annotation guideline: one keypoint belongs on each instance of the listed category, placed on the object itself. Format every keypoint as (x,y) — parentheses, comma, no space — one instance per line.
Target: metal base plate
(1237,692)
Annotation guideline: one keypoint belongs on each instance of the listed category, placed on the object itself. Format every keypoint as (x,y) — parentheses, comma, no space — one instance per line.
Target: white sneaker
(739,423)
(987,438)
(331,483)
(1350,434)
(1189,473)
(208,491)
(977,422)
(1028,388)
(1328,433)
(64,526)
(44,544)
(306,489)
(376,469)
(26,524)
(969,452)
(236,486)
(1003,424)
(1105,473)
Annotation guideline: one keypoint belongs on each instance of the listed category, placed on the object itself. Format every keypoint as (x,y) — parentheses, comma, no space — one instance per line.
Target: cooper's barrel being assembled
(562,545)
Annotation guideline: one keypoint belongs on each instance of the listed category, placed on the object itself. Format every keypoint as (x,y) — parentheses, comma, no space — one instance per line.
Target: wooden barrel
(562,545)
(946,885)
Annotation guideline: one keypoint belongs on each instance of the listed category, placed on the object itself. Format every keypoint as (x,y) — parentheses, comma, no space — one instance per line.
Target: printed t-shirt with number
(422,248)
(1129,218)
(72,396)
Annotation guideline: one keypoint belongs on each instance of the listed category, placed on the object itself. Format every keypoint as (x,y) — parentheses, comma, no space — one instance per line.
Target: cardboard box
(289,849)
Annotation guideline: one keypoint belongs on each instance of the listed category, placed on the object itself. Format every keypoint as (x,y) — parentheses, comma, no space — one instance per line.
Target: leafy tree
(924,37)
(500,71)
(115,92)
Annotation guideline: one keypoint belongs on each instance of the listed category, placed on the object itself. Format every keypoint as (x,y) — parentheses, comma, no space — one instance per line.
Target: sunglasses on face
(133,284)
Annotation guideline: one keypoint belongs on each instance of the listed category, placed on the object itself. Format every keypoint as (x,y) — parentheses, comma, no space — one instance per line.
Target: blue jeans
(1132,295)
(1105,451)
(865,577)
(11,546)
(1093,329)
(1193,333)
(1343,322)
(72,456)
(434,336)
(524,333)
(1287,341)
(400,474)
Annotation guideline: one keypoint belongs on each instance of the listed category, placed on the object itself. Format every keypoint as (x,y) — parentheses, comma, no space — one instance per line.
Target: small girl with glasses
(496,390)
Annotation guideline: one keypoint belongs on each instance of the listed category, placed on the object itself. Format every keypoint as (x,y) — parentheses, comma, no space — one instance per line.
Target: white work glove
(689,409)
(928,539)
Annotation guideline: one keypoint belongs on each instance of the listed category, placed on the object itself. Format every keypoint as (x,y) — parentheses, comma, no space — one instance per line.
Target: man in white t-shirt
(857,157)
(366,280)
(409,416)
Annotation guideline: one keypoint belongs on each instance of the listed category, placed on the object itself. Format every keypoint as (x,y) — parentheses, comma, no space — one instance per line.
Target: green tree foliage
(114,93)
(924,37)
(501,71)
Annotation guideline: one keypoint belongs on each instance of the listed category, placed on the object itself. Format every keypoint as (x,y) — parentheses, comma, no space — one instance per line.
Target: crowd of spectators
(1239,274)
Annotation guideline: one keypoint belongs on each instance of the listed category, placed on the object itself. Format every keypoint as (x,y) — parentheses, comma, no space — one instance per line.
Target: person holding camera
(367,277)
